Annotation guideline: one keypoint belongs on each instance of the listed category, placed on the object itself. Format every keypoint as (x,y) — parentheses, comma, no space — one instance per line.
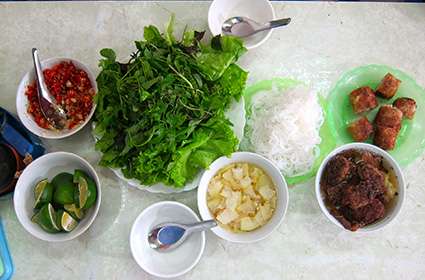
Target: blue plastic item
(6,265)
(16,135)
(23,143)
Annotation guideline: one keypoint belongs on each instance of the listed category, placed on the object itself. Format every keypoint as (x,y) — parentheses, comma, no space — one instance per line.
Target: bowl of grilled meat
(360,187)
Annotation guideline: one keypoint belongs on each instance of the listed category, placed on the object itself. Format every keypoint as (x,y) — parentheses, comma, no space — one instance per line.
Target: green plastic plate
(411,140)
(328,141)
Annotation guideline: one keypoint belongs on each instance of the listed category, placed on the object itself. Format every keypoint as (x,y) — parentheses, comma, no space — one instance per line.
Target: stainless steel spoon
(167,236)
(54,113)
(244,27)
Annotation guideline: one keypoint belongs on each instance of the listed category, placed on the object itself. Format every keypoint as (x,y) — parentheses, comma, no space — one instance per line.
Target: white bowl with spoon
(261,11)
(169,263)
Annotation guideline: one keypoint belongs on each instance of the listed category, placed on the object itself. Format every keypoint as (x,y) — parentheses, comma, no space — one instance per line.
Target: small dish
(258,10)
(48,166)
(281,189)
(22,101)
(168,264)
(392,213)
(410,141)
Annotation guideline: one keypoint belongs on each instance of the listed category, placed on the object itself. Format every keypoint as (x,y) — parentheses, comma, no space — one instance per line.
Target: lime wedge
(92,190)
(39,188)
(46,219)
(64,188)
(81,193)
(68,223)
(43,193)
(75,212)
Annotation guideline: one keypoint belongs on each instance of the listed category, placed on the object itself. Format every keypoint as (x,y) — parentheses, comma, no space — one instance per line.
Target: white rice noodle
(285,128)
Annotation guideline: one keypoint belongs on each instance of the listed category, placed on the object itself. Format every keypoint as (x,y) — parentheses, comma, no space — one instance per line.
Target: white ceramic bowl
(259,10)
(172,263)
(49,166)
(389,162)
(278,180)
(22,101)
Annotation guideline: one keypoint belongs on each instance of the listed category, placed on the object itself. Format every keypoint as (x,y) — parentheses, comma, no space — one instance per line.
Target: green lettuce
(160,116)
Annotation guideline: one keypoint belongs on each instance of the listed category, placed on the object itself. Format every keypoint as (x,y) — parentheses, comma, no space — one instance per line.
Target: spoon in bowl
(53,113)
(167,236)
(244,27)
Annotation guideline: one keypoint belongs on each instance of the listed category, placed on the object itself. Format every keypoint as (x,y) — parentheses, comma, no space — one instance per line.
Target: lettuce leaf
(216,58)
(210,142)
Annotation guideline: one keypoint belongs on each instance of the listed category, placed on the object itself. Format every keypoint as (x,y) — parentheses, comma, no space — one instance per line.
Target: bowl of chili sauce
(73,86)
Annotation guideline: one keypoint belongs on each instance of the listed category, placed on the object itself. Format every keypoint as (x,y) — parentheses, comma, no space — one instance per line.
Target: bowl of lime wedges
(57,197)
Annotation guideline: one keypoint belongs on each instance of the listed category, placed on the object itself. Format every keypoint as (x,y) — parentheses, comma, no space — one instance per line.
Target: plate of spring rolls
(380,105)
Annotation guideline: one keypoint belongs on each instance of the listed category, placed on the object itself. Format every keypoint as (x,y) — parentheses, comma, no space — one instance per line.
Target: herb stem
(182,77)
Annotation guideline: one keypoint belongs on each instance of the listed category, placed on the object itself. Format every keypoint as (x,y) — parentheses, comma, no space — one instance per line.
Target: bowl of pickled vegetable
(57,197)
(246,194)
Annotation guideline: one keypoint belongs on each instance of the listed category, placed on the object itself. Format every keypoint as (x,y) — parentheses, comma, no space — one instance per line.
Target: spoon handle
(201,226)
(39,75)
(279,22)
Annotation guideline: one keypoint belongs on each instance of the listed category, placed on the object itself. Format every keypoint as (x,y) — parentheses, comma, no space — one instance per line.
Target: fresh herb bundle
(160,117)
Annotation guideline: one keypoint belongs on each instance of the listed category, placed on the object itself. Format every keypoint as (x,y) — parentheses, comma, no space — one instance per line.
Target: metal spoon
(244,27)
(167,236)
(54,113)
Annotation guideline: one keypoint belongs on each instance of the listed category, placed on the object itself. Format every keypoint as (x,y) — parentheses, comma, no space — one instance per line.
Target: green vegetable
(160,117)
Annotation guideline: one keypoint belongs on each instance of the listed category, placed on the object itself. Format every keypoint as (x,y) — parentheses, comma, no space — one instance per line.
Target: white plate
(172,263)
(236,115)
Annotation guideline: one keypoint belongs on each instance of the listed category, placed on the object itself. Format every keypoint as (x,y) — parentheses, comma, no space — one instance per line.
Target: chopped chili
(72,89)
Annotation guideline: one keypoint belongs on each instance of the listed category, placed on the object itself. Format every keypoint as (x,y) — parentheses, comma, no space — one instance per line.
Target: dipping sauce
(358,188)
(8,167)
(72,89)
(241,197)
